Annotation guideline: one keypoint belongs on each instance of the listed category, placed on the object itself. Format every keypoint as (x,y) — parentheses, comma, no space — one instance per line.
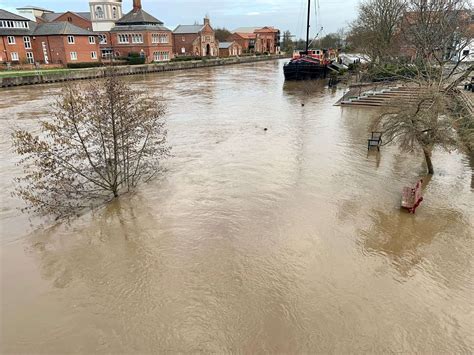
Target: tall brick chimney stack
(207,21)
(137,5)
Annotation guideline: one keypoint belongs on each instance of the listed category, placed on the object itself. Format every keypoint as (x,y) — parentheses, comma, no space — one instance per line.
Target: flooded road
(289,240)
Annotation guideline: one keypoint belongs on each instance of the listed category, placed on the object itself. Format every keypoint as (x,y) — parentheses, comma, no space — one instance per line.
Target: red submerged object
(412,197)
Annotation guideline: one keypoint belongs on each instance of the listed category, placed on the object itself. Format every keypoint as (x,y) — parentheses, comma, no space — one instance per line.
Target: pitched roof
(50,17)
(7,15)
(186,29)
(267,29)
(225,45)
(60,28)
(139,28)
(139,17)
(18,31)
(246,35)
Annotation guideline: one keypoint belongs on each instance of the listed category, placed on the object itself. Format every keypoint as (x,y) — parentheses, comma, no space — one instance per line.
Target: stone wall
(92,73)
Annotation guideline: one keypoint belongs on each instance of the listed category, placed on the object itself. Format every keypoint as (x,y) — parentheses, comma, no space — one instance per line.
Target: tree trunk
(429,163)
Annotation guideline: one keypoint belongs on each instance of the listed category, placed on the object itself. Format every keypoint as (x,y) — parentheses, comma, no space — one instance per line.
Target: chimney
(207,21)
(137,5)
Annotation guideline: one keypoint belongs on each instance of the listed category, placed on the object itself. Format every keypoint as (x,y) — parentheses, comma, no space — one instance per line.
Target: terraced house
(23,41)
(140,32)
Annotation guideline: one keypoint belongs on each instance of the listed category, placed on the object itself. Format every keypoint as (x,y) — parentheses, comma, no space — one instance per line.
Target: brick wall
(185,41)
(18,47)
(148,48)
(59,50)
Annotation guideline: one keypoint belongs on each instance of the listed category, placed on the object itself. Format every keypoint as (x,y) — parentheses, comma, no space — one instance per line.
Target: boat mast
(307,26)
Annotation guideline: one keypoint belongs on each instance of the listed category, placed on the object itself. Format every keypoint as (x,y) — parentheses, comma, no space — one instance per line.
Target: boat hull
(305,70)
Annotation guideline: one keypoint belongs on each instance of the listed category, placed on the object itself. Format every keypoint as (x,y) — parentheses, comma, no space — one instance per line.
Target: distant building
(139,32)
(24,41)
(229,49)
(245,40)
(257,39)
(198,40)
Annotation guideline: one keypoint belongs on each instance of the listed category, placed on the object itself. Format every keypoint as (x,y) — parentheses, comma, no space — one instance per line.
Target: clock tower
(104,14)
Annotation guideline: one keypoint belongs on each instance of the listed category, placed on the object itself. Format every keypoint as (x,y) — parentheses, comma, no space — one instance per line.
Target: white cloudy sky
(284,14)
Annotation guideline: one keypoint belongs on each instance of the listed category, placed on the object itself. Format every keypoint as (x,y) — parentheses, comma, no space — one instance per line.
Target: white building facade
(104,14)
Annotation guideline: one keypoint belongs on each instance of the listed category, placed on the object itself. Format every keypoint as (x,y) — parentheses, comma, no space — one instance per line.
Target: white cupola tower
(104,14)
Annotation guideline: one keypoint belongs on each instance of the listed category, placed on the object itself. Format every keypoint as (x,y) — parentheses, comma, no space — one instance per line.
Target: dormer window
(99,12)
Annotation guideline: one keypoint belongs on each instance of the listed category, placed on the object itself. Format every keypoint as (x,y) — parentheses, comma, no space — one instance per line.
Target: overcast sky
(284,14)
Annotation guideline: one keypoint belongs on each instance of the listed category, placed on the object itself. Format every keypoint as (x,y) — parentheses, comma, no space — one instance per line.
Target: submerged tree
(102,140)
(421,122)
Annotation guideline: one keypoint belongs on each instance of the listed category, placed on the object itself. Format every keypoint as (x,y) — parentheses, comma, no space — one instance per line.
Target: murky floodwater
(287,241)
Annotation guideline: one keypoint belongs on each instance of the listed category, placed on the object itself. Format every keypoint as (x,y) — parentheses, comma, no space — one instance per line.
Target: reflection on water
(288,240)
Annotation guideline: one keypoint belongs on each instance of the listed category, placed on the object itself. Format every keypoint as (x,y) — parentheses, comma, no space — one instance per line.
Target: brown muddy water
(284,241)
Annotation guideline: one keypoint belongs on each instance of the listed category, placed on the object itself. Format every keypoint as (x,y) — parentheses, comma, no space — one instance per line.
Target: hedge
(84,65)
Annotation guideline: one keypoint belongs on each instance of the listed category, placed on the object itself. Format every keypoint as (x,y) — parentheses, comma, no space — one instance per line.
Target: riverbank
(45,77)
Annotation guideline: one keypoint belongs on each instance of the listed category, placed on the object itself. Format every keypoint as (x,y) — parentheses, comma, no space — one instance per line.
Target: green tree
(222,34)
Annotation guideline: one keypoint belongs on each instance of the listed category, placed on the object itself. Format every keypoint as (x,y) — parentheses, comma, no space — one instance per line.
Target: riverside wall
(93,73)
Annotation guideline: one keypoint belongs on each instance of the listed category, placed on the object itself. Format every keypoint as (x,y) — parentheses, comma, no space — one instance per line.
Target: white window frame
(14,56)
(71,40)
(155,38)
(123,38)
(93,55)
(11,40)
(91,40)
(30,57)
(27,42)
(73,55)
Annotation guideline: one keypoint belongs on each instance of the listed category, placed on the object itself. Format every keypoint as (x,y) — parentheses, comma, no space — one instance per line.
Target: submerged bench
(375,140)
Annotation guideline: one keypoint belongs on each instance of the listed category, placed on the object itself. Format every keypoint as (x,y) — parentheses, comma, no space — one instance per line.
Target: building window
(154,38)
(73,55)
(102,39)
(161,56)
(69,19)
(137,38)
(70,39)
(114,12)
(183,39)
(465,52)
(164,38)
(183,50)
(15,57)
(107,53)
(91,40)
(11,40)
(14,24)
(27,42)
(94,55)
(99,13)
(29,57)
(123,38)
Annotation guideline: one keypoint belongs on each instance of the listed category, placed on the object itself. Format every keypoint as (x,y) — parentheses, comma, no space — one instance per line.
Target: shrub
(84,65)
(186,58)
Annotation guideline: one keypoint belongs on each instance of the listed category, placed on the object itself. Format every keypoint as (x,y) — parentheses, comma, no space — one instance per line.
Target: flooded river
(288,240)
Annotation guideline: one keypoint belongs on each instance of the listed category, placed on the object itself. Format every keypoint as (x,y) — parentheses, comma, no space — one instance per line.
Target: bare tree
(102,140)
(421,122)
(376,29)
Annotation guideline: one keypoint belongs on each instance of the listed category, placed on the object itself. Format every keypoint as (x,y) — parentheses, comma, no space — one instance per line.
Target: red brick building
(267,40)
(24,41)
(245,40)
(139,32)
(79,19)
(65,43)
(16,44)
(196,40)
(257,39)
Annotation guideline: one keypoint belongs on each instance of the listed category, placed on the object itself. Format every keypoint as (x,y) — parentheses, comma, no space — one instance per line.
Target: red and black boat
(308,64)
